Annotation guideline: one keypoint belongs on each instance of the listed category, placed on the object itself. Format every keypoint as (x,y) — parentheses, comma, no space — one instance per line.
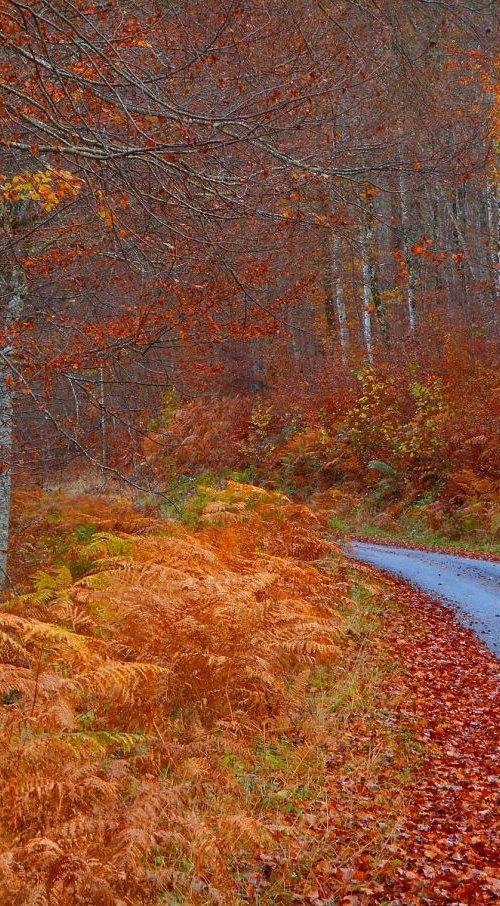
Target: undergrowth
(195,715)
(358,517)
(412,459)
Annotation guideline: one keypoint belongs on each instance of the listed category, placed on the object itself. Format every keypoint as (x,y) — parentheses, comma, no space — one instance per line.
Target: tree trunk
(493,212)
(337,292)
(411,284)
(367,306)
(15,289)
(102,402)
(459,245)
(371,290)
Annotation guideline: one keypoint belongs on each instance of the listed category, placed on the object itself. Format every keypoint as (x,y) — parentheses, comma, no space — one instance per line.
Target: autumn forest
(249,452)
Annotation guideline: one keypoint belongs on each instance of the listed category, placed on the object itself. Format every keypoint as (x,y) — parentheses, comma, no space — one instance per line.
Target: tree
(164,174)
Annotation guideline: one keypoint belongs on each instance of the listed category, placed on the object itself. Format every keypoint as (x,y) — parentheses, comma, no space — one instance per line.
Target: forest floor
(231,711)
(451,833)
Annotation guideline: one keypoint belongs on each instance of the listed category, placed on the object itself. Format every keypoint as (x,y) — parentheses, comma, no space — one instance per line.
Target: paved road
(472,587)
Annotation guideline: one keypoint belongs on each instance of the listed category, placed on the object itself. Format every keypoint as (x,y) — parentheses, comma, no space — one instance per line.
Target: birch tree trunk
(371,291)
(14,290)
(335,302)
(437,233)
(459,244)
(411,285)
(337,290)
(493,212)
(367,307)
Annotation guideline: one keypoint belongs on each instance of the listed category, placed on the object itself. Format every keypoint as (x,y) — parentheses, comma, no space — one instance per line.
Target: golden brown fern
(125,692)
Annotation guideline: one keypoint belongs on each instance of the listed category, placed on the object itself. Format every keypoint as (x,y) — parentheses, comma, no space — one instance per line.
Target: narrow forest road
(472,587)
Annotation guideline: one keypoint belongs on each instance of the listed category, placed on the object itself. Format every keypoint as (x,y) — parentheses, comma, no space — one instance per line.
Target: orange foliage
(123,690)
(414,420)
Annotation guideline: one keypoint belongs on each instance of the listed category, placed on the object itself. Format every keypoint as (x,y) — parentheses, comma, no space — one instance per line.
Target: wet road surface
(472,587)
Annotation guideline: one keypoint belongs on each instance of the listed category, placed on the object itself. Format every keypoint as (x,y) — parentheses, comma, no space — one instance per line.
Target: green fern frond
(94,581)
(110,545)
(105,739)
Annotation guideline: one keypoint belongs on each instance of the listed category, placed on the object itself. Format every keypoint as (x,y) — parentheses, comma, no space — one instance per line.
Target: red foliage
(450,839)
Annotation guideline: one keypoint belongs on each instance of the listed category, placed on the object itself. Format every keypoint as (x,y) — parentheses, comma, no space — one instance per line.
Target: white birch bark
(367,296)
(493,213)
(14,289)
(411,285)
(338,293)
(370,271)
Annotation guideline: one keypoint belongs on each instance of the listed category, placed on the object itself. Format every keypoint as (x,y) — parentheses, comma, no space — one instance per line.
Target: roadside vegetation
(222,708)
(386,454)
(196,715)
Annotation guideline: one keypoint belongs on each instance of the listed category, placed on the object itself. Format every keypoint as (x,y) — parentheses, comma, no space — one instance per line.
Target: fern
(124,689)
(106,739)
(110,545)
(384,468)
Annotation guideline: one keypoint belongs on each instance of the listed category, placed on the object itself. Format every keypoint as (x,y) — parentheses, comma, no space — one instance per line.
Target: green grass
(426,538)
(360,522)
(338,525)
